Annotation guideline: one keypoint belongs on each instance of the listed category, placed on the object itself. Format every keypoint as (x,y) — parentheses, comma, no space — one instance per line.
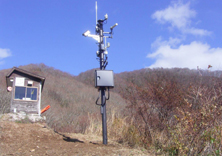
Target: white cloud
(179,16)
(187,56)
(172,53)
(159,42)
(4,53)
(194,31)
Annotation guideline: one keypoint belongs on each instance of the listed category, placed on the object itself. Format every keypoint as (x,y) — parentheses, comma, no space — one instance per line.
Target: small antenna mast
(102,54)
(96,12)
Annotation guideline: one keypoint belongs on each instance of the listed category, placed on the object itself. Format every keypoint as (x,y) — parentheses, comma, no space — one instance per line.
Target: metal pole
(102,54)
(103,97)
(103,112)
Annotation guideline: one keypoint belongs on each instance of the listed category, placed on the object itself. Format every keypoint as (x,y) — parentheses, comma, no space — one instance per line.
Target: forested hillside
(169,111)
(72,102)
(175,111)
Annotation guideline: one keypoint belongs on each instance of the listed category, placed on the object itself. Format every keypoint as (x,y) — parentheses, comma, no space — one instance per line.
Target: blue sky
(154,33)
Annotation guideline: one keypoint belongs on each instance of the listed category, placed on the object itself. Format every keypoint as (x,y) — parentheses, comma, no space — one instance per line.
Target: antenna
(102,54)
(96,12)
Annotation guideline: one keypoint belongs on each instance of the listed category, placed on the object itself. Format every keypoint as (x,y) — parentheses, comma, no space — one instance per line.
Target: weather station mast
(104,79)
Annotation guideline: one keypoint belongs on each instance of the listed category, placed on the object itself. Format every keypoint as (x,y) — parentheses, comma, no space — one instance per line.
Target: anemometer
(104,79)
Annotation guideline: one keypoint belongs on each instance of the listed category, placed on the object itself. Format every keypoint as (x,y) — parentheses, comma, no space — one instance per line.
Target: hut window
(31,93)
(25,93)
(20,92)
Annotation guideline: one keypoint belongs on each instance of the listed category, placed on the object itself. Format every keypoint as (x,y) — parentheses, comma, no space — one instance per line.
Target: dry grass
(168,111)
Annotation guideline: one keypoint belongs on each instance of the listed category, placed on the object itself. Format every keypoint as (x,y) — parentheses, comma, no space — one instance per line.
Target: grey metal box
(104,78)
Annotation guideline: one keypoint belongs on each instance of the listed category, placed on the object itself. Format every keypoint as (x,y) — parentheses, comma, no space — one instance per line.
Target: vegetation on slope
(72,102)
(169,111)
(174,111)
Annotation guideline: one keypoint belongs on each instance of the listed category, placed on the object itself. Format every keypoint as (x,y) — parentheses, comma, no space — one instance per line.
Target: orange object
(45,109)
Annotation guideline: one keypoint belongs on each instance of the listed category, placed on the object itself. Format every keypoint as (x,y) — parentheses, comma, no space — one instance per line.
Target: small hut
(26,89)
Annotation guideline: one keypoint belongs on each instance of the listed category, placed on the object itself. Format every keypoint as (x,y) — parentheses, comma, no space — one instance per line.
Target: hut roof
(27,73)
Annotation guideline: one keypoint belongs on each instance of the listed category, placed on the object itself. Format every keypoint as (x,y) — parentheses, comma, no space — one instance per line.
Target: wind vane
(104,79)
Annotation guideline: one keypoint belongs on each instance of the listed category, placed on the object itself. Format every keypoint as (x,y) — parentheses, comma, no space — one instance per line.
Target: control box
(104,78)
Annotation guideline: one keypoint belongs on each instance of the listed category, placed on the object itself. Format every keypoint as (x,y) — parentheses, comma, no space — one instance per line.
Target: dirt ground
(28,139)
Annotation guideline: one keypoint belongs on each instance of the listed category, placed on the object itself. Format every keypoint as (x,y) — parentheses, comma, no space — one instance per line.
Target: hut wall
(27,105)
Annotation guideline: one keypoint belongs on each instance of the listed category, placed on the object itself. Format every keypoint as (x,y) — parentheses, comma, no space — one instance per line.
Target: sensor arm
(113,26)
